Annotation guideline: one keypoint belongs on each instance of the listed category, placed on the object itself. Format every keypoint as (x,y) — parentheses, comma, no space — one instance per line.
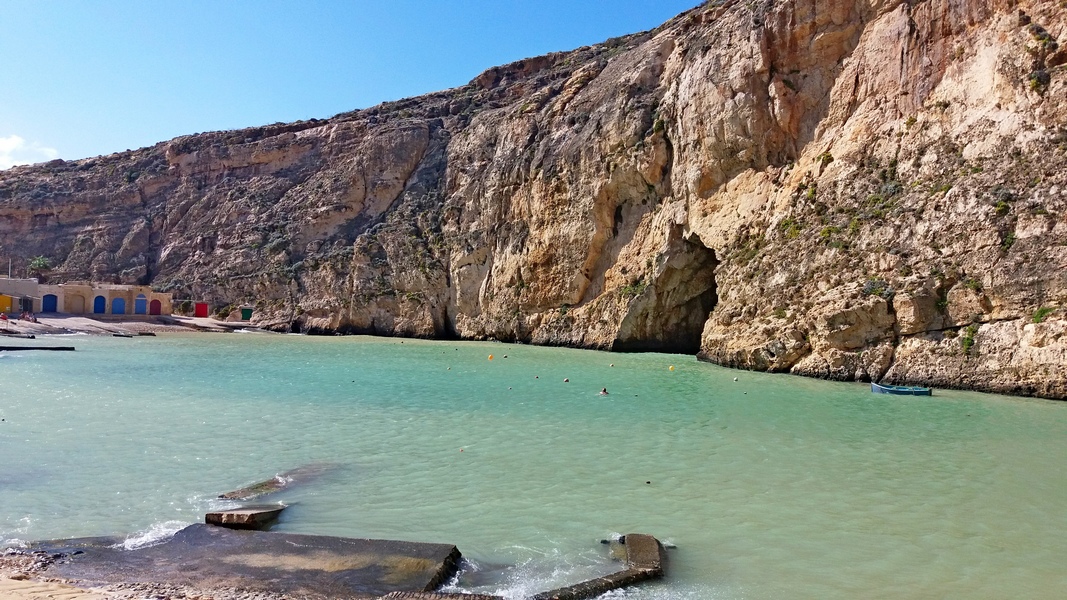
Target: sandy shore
(55,324)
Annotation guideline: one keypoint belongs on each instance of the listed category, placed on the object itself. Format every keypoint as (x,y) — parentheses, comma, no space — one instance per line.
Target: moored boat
(900,390)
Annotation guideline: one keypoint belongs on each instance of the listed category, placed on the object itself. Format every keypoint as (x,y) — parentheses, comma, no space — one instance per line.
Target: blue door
(99,305)
(49,303)
(140,305)
(118,306)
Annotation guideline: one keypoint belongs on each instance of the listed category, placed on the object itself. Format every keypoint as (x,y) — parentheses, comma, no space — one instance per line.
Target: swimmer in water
(603,391)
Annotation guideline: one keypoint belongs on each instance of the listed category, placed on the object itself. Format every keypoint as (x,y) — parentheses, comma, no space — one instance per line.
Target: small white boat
(901,390)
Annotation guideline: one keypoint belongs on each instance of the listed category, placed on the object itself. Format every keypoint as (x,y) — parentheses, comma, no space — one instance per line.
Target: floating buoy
(461,449)
(490,357)
(612,365)
(449,368)
(565,380)
(735,379)
(672,367)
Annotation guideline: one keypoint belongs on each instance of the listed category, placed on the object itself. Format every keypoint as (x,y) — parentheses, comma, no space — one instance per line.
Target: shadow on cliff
(669,314)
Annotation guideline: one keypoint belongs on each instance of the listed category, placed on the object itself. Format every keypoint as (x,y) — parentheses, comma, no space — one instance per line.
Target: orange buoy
(672,367)
(490,357)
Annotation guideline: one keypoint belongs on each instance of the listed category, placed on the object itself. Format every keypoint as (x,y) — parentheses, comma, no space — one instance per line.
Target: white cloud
(16,151)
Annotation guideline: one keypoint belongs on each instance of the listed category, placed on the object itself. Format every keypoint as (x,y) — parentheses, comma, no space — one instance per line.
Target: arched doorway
(74,305)
(140,304)
(49,303)
(155,307)
(118,306)
(99,305)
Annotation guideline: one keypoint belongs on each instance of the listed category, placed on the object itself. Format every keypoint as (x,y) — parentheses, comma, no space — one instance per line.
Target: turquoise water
(771,486)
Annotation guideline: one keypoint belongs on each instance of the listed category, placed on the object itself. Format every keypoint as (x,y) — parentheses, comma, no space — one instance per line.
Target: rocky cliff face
(843,189)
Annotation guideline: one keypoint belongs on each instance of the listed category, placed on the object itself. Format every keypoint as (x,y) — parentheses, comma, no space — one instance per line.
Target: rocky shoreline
(899,359)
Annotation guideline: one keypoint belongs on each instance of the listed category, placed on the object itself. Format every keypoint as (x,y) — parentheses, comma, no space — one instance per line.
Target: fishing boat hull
(901,390)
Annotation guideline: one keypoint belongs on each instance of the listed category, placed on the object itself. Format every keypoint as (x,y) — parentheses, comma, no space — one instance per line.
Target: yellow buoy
(672,367)
(490,357)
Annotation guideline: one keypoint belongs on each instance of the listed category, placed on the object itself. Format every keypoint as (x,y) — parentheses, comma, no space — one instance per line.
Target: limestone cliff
(844,189)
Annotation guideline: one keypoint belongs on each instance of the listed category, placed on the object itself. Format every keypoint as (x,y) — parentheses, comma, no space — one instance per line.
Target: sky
(91,77)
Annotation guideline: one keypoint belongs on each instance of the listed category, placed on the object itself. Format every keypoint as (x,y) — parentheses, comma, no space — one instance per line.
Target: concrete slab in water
(246,517)
(280,481)
(208,557)
(645,557)
(645,552)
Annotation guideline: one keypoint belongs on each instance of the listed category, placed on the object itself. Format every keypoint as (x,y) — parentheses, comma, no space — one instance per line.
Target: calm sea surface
(771,486)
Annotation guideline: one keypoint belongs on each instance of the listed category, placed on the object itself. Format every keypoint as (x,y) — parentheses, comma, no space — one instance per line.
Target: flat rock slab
(246,517)
(208,557)
(644,552)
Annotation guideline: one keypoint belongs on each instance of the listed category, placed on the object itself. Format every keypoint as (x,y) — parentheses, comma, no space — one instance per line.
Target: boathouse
(81,298)
(17,295)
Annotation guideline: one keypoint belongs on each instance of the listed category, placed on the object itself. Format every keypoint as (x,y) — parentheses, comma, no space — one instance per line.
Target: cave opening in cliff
(670,314)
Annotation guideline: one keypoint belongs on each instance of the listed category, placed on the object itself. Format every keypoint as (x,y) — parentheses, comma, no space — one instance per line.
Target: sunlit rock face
(850,190)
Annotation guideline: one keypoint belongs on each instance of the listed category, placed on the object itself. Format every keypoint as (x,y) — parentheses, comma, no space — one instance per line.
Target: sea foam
(156,534)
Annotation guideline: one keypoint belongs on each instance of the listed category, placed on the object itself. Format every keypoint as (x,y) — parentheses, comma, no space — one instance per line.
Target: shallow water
(771,486)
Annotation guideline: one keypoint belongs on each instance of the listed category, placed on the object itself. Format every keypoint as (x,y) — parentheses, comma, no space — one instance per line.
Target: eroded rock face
(851,190)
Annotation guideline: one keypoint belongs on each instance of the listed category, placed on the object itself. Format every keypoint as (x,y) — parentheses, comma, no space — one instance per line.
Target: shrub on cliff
(38,266)
(1041,313)
(878,287)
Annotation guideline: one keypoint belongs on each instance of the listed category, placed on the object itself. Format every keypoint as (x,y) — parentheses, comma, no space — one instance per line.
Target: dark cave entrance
(670,314)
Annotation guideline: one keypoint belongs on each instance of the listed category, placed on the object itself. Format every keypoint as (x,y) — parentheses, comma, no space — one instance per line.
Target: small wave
(154,535)
(549,570)
(210,503)
(23,527)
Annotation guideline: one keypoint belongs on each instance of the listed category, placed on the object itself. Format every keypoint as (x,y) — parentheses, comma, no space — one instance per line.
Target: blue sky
(90,77)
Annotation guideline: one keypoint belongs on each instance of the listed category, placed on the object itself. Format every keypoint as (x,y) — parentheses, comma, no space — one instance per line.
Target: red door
(155,307)
(201,309)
